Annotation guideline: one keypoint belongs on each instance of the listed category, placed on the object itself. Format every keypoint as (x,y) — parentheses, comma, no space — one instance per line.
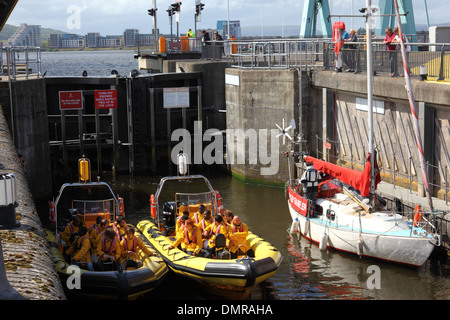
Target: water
(306,272)
(96,62)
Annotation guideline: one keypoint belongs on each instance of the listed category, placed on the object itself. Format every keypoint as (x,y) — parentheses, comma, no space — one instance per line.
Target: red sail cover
(358,180)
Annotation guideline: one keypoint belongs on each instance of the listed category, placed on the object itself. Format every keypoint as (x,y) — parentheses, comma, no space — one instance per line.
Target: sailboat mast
(370,90)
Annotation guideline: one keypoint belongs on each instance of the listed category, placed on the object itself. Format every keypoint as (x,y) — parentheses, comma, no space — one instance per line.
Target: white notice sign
(176,97)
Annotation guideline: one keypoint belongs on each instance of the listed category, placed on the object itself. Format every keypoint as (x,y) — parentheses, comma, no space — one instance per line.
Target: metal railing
(357,157)
(21,62)
(319,53)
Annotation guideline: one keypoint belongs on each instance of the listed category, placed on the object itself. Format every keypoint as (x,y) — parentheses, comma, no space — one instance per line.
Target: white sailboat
(346,216)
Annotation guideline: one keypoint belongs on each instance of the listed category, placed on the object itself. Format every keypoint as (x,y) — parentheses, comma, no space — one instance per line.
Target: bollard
(8,202)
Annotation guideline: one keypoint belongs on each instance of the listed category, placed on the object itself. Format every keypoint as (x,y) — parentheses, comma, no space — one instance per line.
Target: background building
(92,40)
(130,37)
(235,28)
(26,35)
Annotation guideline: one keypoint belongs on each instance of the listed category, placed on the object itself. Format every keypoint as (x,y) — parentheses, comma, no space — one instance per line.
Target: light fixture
(8,201)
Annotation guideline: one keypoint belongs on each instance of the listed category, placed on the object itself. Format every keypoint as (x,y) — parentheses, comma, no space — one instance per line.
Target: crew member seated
(96,237)
(108,249)
(120,227)
(180,221)
(219,226)
(72,228)
(203,224)
(81,250)
(130,249)
(191,237)
(238,239)
(197,216)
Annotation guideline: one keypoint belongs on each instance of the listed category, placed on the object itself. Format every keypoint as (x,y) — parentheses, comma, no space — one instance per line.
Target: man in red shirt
(391,48)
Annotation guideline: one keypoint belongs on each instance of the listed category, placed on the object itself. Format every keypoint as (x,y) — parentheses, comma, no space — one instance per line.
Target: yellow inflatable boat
(87,201)
(232,278)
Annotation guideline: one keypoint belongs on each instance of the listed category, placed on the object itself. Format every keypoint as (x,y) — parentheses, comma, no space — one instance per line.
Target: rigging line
(410,93)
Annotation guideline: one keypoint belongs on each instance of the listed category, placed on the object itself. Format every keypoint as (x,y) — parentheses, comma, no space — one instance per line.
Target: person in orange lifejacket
(238,238)
(179,224)
(130,249)
(81,249)
(96,226)
(192,238)
(219,226)
(120,227)
(228,216)
(71,231)
(108,248)
(197,216)
(96,236)
(203,224)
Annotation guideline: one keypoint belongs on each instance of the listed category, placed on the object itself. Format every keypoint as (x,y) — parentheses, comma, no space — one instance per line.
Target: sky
(111,17)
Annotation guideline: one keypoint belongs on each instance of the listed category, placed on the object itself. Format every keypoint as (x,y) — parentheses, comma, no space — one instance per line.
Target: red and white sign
(327,145)
(70,100)
(105,99)
(297,202)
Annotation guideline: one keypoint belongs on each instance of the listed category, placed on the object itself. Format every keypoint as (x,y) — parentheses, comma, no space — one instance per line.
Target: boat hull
(230,279)
(129,284)
(408,250)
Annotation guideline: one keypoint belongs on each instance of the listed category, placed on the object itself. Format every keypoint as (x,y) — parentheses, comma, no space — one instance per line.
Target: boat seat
(220,241)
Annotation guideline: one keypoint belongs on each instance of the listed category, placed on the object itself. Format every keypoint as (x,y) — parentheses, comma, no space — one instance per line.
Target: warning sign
(70,100)
(105,99)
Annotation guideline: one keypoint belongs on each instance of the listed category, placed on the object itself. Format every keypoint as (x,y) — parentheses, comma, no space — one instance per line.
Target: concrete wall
(260,99)
(27,258)
(30,130)
(393,126)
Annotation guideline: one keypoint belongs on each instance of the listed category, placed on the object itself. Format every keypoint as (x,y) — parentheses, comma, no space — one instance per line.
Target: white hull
(410,250)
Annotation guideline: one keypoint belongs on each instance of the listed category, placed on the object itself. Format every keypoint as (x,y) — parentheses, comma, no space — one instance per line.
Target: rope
(412,105)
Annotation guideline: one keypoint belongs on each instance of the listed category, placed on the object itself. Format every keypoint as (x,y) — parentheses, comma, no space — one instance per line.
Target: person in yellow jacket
(108,249)
(96,236)
(197,216)
(120,227)
(71,228)
(238,238)
(219,226)
(81,249)
(205,223)
(130,249)
(179,223)
(191,237)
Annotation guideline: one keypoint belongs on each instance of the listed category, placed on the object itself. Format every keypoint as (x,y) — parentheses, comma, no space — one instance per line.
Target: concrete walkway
(28,263)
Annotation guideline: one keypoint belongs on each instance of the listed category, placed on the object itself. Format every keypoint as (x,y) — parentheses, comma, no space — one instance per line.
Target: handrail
(18,58)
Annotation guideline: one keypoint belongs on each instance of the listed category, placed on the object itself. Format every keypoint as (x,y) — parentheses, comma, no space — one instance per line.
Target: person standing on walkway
(391,48)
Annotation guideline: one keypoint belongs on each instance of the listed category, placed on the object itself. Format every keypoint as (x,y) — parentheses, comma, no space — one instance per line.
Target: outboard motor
(169,217)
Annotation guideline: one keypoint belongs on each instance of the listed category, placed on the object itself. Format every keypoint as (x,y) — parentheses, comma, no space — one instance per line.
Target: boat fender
(359,247)
(153,206)
(307,226)
(295,227)
(52,213)
(418,215)
(121,207)
(323,242)
(182,163)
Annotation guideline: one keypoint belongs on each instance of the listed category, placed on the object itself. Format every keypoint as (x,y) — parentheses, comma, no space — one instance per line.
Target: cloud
(113,16)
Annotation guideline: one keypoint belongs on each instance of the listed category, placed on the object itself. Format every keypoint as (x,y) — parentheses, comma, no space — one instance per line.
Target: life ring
(153,206)
(52,213)
(121,207)
(418,215)
(219,199)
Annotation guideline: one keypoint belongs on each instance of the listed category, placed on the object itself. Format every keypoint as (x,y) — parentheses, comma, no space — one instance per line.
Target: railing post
(441,68)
